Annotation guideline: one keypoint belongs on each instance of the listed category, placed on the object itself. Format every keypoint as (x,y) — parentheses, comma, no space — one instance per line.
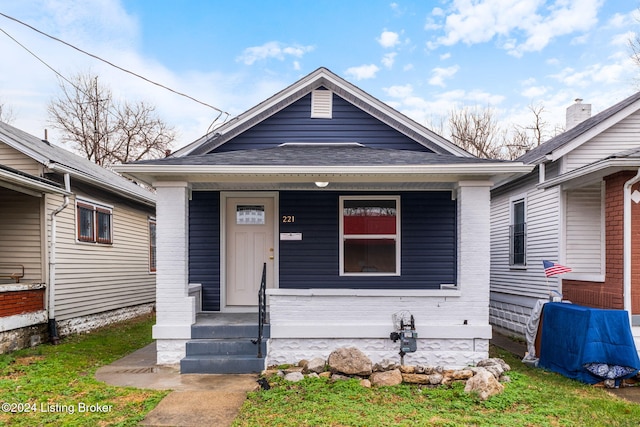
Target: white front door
(249,245)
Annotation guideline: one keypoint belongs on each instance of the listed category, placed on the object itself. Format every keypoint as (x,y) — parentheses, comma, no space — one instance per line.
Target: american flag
(552,268)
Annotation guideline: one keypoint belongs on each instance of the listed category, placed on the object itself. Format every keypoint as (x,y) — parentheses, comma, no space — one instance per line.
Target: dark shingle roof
(564,138)
(319,155)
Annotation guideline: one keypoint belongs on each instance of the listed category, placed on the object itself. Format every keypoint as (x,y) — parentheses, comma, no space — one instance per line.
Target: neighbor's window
(94,223)
(370,235)
(518,234)
(152,245)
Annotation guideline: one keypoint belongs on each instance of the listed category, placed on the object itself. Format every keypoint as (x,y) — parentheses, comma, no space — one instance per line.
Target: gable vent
(321,104)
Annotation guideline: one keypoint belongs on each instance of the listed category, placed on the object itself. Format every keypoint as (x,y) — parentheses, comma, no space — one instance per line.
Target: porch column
(474,242)
(175,309)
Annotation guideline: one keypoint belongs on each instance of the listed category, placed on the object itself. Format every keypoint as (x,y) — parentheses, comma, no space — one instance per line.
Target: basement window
(321,104)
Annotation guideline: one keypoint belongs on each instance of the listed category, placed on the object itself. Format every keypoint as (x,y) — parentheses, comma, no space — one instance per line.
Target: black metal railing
(262,307)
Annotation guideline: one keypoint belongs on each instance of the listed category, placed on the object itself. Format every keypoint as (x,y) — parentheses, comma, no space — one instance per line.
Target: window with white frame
(94,222)
(518,233)
(152,245)
(370,235)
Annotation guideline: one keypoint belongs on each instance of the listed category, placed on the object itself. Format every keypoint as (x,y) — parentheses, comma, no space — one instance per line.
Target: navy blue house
(357,212)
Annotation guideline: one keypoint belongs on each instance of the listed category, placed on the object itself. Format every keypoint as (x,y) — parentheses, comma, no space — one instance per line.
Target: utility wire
(106,62)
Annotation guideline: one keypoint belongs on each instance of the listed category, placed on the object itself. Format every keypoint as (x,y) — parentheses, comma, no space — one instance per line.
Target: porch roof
(302,162)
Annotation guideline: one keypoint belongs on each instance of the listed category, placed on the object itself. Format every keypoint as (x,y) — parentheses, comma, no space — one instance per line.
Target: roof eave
(149,201)
(270,173)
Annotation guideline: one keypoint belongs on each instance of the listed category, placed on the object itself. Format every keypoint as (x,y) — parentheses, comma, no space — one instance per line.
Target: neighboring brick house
(358,213)
(579,207)
(76,243)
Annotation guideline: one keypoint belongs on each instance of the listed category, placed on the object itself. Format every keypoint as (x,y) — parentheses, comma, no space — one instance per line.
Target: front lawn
(533,398)
(55,385)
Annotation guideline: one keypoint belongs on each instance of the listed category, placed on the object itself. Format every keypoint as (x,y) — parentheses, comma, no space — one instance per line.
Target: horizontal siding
(543,210)
(622,136)
(20,233)
(204,246)
(11,157)
(92,278)
(294,124)
(584,245)
(428,243)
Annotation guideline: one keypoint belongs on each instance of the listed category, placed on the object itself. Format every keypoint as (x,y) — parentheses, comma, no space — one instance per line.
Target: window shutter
(321,104)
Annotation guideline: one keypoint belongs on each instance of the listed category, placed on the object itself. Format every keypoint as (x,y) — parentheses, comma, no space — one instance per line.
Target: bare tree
(475,130)
(105,131)
(6,113)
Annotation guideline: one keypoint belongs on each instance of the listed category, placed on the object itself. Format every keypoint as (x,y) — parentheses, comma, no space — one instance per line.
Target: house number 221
(288,218)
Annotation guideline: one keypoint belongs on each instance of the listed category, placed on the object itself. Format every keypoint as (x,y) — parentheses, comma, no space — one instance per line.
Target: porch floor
(222,319)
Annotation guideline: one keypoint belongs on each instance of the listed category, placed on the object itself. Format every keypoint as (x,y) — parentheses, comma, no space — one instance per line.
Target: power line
(106,62)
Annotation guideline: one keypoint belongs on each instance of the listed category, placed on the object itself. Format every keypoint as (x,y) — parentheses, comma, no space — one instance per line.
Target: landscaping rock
(386,378)
(325,374)
(385,365)
(435,379)
(365,383)
(416,378)
(408,369)
(350,361)
(339,377)
(294,377)
(484,384)
(316,365)
(463,374)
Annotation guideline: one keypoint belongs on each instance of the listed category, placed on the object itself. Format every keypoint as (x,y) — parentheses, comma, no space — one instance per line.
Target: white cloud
(388,39)
(529,25)
(445,56)
(399,91)
(362,72)
(389,59)
(440,74)
(534,92)
(270,50)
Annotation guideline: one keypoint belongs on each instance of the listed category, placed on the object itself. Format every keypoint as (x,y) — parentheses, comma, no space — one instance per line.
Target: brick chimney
(577,113)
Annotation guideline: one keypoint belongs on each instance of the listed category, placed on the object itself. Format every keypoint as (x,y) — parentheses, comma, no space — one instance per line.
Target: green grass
(533,398)
(47,383)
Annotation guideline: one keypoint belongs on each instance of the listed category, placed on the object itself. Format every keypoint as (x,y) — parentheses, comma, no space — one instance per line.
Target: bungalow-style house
(76,243)
(358,213)
(578,207)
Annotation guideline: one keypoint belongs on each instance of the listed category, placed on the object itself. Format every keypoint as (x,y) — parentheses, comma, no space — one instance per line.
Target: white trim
(347,292)
(397,237)
(224,195)
(521,197)
(23,320)
(96,206)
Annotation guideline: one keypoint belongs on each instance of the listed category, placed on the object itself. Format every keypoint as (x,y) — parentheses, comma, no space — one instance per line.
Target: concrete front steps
(225,347)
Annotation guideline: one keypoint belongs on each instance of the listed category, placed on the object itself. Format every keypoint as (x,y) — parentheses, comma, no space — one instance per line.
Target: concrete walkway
(196,400)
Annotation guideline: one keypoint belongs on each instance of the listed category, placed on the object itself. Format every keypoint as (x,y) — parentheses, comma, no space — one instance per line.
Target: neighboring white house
(358,213)
(77,244)
(579,208)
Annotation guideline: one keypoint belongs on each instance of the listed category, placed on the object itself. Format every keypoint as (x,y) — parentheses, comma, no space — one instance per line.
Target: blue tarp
(577,341)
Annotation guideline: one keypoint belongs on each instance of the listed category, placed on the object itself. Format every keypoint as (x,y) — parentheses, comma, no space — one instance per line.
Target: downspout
(53,329)
(627,244)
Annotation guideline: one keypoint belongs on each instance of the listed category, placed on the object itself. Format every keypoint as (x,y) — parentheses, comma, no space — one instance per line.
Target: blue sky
(422,57)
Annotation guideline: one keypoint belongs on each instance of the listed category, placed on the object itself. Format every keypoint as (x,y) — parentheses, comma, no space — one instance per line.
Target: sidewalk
(196,400)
